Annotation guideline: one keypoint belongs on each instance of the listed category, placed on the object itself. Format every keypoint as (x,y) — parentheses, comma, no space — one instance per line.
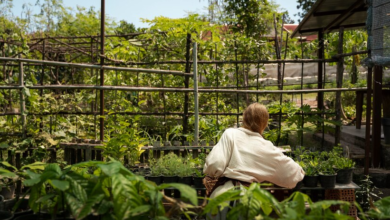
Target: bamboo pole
(54,63)
(196,100)
(22,100)
(151,113)
(339,82)
(157,89)
(102,33)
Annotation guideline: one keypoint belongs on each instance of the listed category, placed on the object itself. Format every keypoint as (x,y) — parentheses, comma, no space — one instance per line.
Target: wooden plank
(359,108)
(79,157)
(72,156)
(88,154)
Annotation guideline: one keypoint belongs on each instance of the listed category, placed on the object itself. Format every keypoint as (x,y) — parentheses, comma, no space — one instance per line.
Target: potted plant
(156,171)
(185,172)
(345,168)
(327,174)
(170,163)
(311,176)
(198,178)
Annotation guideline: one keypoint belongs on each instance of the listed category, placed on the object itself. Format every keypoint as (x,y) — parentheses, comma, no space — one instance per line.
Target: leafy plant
(326,168)
(367,193)
(380,209)
(107,189)
(343,163)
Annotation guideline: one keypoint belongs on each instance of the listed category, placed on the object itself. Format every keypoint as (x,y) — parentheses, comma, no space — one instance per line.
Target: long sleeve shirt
(245,155)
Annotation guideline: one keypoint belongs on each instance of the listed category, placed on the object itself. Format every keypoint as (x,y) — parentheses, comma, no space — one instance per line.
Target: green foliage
(367,193)
(98,188)
(124,139)
(380,209)
(304,6)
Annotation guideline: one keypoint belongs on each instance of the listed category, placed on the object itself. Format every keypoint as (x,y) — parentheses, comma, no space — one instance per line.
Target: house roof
(329,15)
(291,28)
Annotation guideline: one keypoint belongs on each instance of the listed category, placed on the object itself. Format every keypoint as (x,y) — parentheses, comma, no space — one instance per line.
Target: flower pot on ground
(310,181)
(6,215)
(386,129)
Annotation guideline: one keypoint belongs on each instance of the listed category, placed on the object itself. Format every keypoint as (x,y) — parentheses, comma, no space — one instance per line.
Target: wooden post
(186,84)
(22,100)
(368,121)
(376,116)
(320,95)
(102,33)
(339,82)
(359,108)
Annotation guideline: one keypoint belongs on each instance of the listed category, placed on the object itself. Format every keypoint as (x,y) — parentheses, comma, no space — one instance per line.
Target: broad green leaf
(74,204)
(140,210)
(7,173)
(87,207)
(110,168)
(213,204)
(35,166)
(53,167)
(5,163)
(186,192)
(60,184)
(44,198)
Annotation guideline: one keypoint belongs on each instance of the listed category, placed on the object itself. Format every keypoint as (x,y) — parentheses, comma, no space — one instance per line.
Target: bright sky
(132,11)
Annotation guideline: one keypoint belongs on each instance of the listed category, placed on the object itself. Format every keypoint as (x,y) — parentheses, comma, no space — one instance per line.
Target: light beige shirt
(245,155)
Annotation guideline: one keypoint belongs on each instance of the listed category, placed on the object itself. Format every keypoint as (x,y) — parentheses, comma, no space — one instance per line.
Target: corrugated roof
(330,15)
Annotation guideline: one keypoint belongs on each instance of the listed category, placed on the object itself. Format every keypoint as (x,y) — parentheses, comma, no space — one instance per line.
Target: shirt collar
(249,132)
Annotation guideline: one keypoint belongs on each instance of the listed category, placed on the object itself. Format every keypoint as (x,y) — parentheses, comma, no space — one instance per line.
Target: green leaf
(44,198)
(74,204)
(140,210)
(26,91)
(186,192)
(4,145)
(60,184)
(111,168)
(7,173)
(35,166)
(86,209)
(5,163)
(213,204)
(53,167)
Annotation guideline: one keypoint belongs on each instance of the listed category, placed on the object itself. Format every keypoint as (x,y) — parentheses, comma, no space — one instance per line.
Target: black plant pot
(155,179)
(298,186)
(344,176)
(186,180)
(22,209)
(198,182)
(8,192)
(5,215)
(310,181)
(171,179)
(328,181)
